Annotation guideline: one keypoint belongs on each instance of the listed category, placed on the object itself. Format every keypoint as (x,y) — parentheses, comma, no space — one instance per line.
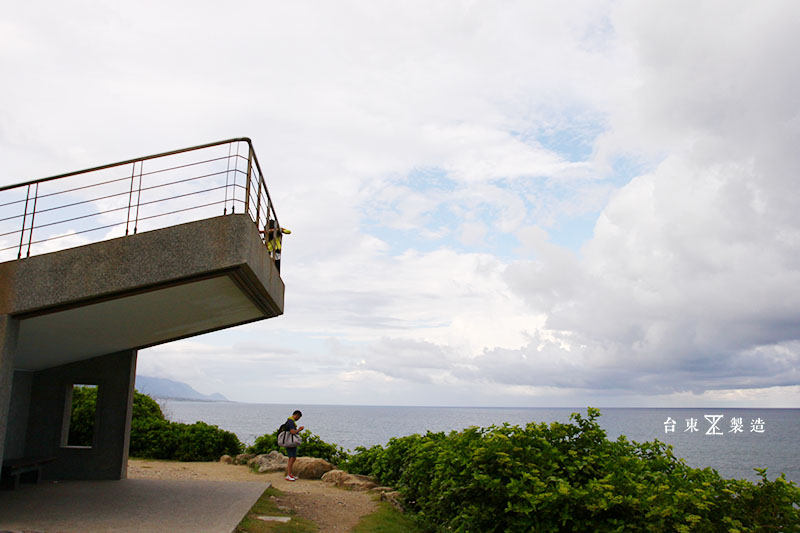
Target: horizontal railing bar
(153,172)
(182,210)
(83,208)
(12,218)
(98,213)
(134,160)
(115,180)
(116,224)
(151,187)
(90,215)
(182,195)
(14,202)
(124,193)
(67,235)
(125,178)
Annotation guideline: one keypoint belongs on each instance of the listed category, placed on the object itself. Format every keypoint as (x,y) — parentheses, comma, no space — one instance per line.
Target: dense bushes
(152,435)
(155,437)
(312,446)
(84,407)
(568,477)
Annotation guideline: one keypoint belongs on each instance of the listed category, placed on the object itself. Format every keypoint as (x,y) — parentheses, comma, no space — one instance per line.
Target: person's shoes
(291,478)
(295,477)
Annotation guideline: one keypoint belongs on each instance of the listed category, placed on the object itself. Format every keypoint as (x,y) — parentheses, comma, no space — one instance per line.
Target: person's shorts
(291,452)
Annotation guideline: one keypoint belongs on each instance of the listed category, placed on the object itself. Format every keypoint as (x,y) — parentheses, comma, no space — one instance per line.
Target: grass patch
(386,519)
(266,506)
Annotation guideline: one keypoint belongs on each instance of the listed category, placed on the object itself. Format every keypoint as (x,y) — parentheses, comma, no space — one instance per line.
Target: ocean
(733,441)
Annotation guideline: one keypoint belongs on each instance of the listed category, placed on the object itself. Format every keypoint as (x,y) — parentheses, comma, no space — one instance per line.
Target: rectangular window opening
(80,416)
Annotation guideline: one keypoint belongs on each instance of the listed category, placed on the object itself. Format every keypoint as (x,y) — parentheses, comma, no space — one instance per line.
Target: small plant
(386,519)
(266,506)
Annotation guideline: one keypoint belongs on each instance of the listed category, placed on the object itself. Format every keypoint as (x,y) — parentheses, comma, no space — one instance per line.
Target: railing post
(24,219)
(247,185)
(33,219)
(138,198)
(227,178)
(258,202)
(130,200)
(97,202)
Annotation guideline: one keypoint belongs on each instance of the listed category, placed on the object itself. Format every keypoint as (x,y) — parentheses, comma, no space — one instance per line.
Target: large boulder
(311,467)
(271,462)
(243,458)
(227,459)
(349,481)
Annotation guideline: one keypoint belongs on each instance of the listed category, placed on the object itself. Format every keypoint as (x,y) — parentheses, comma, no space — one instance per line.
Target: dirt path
(331,508)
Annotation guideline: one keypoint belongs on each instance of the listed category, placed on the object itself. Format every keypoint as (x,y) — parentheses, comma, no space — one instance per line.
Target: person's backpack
(286,439)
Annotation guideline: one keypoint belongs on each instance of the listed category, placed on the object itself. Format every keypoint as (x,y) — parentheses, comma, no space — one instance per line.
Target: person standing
(274,240)
(291,427)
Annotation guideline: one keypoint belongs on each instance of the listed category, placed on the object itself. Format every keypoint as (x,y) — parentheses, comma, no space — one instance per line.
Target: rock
(349,481)
(395,499)
(227,459)
(243,458)
(311,467)
(271,462)
(335,476)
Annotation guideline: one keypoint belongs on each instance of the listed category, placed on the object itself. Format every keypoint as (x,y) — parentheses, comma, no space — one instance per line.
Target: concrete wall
(108,457)
(8,340)
(18,411)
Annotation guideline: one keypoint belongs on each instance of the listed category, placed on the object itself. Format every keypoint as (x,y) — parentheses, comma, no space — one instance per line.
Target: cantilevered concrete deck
(139,291)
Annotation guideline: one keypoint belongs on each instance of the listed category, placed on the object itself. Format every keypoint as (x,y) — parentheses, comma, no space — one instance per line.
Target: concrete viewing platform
(99,264)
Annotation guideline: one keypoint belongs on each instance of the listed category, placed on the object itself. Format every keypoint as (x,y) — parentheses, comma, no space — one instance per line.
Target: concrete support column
(8,342)
(107,458)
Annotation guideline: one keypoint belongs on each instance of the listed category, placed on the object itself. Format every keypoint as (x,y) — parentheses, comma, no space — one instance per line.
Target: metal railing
(137,195)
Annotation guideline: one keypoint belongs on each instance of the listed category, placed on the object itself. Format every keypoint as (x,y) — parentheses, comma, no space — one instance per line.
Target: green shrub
(146,407)
(265,444)
(154,438)
(204,442)
(568,477)
(82,418)
(312,446)
(152,435)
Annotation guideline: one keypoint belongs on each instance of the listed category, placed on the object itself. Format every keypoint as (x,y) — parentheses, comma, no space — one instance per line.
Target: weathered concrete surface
(130,505)
(8,340)
(139,291)
(110,269)
(107,458)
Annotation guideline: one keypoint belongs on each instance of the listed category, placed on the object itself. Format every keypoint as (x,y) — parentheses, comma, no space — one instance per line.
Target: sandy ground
(331,508)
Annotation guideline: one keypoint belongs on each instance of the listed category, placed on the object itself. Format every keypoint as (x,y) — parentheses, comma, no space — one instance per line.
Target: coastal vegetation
(568,477)
(313,446)
(152,435)
(537,477)
(155,437)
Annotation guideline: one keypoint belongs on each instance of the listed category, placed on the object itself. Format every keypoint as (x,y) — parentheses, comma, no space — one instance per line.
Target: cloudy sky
(491,203)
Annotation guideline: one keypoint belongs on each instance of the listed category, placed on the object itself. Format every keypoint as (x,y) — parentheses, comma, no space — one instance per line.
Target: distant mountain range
(174,390)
